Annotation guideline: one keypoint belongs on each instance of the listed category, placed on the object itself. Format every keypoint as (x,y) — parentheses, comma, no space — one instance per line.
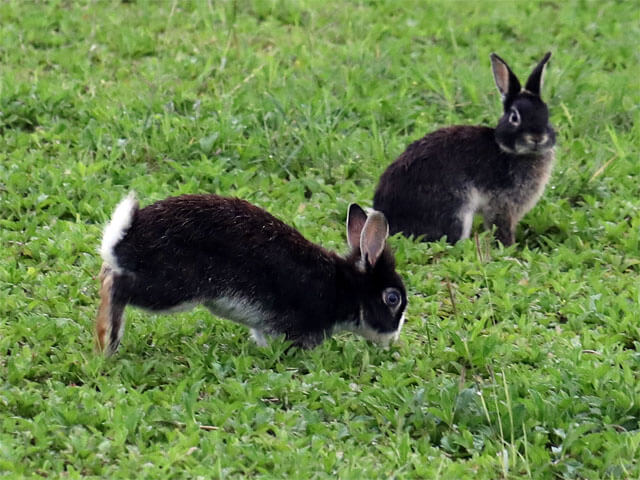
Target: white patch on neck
(116,229)
(384,339)
(369,333)
(506,149)
(526,150)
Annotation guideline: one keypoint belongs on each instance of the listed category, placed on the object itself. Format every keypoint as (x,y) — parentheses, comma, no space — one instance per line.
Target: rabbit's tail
(116,230)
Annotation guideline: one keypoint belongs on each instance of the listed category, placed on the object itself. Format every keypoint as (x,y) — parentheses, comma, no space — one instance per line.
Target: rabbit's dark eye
(514,117)
(391,297)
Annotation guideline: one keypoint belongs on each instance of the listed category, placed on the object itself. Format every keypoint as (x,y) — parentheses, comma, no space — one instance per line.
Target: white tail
(117,228)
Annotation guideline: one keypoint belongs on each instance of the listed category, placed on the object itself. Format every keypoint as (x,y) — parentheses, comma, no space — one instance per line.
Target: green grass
(515,363)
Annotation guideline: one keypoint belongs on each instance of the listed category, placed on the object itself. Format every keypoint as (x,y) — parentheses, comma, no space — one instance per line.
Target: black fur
(199,248)
(457,171)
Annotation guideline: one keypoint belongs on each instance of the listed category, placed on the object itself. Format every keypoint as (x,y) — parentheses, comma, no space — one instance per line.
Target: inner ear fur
(373,237)
(534,82)
(356,219)
(506,81)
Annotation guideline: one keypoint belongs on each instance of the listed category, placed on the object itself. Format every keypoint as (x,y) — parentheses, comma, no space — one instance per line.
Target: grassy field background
(514,363)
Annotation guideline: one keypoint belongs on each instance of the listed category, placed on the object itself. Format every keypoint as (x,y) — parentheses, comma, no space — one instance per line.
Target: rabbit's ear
(356,218)
(373,238)
(534,83)
(506,81)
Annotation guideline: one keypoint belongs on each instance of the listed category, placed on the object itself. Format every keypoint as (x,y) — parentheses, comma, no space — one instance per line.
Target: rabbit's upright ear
(356,218)
(373,238)
(506,81)
(534,83)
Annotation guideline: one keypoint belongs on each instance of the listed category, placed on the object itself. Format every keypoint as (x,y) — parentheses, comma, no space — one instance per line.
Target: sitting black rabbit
(245,265)
(437,185)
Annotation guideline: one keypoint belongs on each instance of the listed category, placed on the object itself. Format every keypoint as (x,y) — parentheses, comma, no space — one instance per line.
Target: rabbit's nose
(537,139)
(543,138)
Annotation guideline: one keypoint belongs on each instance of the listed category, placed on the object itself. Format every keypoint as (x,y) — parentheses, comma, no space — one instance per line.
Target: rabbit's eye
(514,117)
(391,297)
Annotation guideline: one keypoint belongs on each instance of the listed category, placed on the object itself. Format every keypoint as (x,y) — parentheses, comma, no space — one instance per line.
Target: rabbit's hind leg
(109,321)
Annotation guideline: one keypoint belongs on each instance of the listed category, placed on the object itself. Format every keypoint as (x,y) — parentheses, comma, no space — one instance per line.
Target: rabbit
(442,180)
(245,265)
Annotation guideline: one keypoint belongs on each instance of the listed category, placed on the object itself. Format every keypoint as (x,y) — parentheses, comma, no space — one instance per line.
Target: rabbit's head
(524,128)
(379,289)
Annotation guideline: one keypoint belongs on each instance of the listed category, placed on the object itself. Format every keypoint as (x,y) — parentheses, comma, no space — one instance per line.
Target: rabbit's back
(209,221)
(448,157)
(198,247)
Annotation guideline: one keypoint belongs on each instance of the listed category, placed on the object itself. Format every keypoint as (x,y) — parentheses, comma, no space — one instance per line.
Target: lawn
(519,362)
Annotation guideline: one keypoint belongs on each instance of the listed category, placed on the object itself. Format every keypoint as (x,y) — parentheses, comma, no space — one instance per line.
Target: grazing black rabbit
(437,185)
(245,265)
